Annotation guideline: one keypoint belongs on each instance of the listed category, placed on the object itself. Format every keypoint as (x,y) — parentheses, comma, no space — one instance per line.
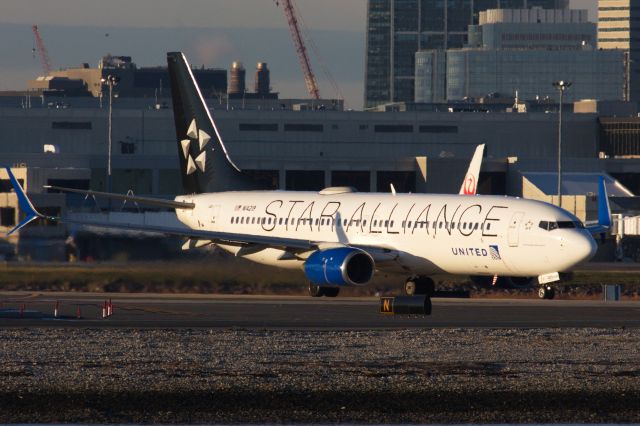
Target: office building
(397,29)
(619,29)
(522,52)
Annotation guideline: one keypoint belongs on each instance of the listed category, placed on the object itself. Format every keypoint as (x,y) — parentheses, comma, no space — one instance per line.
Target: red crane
(301,50)
(42,51)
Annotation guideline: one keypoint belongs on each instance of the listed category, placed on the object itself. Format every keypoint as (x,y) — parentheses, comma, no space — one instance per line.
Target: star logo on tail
(194,134)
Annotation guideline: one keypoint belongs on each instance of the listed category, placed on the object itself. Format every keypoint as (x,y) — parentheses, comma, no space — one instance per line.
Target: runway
(287,312)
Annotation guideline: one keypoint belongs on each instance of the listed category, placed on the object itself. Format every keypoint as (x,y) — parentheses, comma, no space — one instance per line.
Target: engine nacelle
(339,266)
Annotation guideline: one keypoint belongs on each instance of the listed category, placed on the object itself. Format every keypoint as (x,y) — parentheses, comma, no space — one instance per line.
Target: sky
(213,33)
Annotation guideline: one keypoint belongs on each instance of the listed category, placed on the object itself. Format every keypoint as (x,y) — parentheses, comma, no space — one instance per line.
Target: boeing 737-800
(340,237)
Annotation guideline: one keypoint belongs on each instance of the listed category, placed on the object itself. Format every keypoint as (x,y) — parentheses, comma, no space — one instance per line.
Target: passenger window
(488,226)
(409,224)
(364,222)
(391,224)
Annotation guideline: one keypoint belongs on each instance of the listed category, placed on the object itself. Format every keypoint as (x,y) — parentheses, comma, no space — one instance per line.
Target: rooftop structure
(149,82)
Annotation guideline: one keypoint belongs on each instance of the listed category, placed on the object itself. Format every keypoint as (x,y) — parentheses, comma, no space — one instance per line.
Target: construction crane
(42,51)
(301,50)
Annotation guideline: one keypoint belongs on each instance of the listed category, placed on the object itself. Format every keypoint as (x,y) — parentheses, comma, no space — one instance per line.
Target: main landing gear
(319,291)
(546,291)
(419,285)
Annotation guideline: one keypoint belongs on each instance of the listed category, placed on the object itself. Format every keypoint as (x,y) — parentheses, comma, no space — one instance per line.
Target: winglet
(470,182)
(25,204)
(604,210)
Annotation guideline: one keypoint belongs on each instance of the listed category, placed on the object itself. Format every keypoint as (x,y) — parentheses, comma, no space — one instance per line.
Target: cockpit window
(561,224)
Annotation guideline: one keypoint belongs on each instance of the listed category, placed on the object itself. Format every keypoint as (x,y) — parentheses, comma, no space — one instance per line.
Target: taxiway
(286,312)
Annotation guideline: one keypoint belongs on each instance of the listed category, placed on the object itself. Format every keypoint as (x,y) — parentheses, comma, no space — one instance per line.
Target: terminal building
(310,149)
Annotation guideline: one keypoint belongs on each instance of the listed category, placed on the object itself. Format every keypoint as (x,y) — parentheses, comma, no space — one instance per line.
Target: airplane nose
(584,247)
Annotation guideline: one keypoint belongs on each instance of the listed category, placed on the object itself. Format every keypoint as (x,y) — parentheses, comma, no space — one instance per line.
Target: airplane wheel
(419,286)
(316,290)
(546,292)
(410,287)
(551,292)
(331,291)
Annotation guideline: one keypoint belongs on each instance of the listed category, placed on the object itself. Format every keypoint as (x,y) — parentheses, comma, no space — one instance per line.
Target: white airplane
(343,238)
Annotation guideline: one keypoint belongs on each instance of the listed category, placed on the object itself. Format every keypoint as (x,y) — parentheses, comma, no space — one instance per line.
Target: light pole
(561,86)
(110,81)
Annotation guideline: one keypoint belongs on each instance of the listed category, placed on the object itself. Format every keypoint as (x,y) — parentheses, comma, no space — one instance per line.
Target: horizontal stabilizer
(159,202)
(27,208)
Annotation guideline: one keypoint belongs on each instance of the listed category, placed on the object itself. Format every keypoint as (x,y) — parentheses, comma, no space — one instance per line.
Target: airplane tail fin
(27,208)
(470,182)
(604,211)
(205,164)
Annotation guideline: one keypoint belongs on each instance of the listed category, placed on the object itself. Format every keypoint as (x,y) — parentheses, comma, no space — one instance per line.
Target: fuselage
(423,233)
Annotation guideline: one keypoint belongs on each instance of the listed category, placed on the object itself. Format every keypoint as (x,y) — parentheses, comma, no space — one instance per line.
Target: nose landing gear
(546,291)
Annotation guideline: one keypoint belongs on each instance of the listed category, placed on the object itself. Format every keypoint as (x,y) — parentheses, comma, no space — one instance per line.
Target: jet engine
(339,267)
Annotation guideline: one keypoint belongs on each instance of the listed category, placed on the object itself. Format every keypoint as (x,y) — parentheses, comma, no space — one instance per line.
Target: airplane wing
(470,182)
(32,214)
(159,202)
(293,247)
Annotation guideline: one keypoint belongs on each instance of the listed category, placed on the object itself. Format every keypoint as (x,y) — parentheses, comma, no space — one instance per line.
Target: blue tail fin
(25,204)
(604,210)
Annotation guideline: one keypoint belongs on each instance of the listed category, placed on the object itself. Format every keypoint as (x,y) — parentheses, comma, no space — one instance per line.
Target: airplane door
(214,212)
(514,225)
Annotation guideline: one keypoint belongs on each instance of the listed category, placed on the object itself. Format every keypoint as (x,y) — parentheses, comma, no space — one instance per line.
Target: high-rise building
(619,28)
(522,51)
(397,29)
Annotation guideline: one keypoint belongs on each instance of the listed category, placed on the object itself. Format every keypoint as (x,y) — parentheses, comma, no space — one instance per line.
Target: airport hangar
(303,146)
